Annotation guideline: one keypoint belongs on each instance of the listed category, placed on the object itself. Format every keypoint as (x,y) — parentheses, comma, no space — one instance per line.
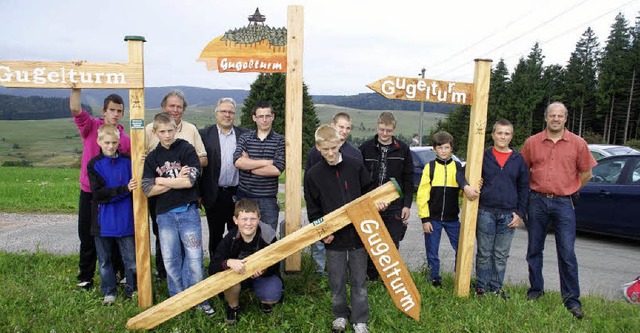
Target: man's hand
(133,184)
(257,274)
(328,239)
(515,222)
(184,172)
(405,214)
(427,227)
(471,192)
(236,265)
(381,206)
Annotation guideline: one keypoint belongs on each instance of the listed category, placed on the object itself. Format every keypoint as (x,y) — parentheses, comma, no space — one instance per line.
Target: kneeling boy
(249,236)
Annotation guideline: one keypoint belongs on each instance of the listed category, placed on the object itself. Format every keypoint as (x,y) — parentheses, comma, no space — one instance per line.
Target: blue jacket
(505,188)
(112,211)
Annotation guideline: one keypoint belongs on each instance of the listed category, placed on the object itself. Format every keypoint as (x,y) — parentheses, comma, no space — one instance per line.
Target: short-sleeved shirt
(185,131)
(556,167)
(271,148)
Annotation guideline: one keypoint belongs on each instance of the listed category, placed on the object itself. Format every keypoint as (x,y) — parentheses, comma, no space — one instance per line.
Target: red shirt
(556,167)
(501,157)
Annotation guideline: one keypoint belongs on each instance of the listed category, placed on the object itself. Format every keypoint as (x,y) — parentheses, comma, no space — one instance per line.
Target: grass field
(56,142)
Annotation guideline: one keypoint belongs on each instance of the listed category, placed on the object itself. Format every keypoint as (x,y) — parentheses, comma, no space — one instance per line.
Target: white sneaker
(360,328)
(109,300)
(339,325)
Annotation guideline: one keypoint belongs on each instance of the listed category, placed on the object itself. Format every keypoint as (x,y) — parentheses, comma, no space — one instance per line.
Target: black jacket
(329,187)
(208,184)
(231,244)
(399,166)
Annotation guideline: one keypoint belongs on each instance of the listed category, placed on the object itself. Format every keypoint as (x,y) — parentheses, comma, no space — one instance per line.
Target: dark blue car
(609,201)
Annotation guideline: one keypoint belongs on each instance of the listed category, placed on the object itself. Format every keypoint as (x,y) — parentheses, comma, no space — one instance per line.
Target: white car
(599,151)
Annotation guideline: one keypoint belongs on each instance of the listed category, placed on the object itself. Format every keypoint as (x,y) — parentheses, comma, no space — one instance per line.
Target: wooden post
(386,258)
(475,150)
(260,260)
(140,210)
(293,125)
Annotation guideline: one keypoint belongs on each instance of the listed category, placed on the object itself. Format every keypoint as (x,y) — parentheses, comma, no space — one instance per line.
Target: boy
(503,203)
(329,184)
(437,201)
(170,171)
(250,236)
(111,184)
(112,111)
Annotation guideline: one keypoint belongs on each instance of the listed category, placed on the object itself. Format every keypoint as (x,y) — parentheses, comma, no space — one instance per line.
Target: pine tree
(498,103)
(272,88)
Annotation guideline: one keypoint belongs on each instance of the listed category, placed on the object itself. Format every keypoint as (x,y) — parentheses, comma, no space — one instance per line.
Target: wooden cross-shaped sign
(39,74)
(476,95)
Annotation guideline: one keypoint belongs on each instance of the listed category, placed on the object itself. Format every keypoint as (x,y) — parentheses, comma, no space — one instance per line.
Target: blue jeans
(181,242)
(560,213)
(352,263)
(104,248)
(432,244)
(494,242)
(318,254)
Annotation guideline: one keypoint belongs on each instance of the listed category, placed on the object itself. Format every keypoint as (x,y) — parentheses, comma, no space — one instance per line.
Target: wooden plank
(89,75)
(386,258)
(260,260)
(293,123)
(475,150)
(424,90)
(140,210)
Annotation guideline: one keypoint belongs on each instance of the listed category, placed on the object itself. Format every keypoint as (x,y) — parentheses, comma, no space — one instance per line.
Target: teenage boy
(386,157)
(342,122)
(250,236)
(503,203)
(328,185)
(170,172)
(112,111)
(259,156)
(111,183)
(437,201)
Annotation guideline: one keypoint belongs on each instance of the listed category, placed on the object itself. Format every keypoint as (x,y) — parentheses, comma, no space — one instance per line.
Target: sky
(347,43)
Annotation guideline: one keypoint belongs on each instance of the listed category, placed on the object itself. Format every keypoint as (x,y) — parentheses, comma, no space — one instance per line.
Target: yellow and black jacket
(437,197)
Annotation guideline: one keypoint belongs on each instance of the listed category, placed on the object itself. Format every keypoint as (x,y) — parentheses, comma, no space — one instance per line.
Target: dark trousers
(219,216)
(88,255)
(162,272)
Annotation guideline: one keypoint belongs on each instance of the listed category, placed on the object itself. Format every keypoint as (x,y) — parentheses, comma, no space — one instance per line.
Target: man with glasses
(386,157)
(220,178)
(260,156)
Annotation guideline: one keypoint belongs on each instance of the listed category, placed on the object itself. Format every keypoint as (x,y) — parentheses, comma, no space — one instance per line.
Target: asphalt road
(605,263)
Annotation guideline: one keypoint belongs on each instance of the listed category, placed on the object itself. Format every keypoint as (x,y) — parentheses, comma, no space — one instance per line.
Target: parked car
(609,202)
(599,151)
(421,156)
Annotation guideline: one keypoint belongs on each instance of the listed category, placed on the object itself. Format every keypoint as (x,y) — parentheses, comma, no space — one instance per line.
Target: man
(219,180)
(559,165)
(342,122)
(260,157)
(386,157)
(174,104)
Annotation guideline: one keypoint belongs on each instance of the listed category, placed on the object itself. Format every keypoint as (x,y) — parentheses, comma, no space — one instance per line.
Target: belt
(550,195)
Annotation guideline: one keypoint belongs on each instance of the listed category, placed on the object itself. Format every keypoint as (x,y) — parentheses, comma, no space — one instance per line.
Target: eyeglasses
(228,113)
(264,116)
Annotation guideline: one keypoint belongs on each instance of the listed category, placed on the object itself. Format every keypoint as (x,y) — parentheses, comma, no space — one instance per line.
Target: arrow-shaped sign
(425,90)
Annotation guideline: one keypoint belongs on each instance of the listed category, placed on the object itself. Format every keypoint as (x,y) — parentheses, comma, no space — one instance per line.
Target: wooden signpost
(259,48)
(38,74)
(476,95)
(285,247)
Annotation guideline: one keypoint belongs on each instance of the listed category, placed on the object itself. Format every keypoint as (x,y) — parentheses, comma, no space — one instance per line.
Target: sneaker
(437,282)
(339,325)
(360,328)
(532,296)
(133,296)
(577,312)
(207,309)
(266,308)
(86,285)
(109,300)
(232,315)
(123,281)
(480,292)
(501,293)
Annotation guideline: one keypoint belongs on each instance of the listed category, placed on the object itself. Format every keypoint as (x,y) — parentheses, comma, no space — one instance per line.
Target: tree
(498,104)
(581,82)
(272,88)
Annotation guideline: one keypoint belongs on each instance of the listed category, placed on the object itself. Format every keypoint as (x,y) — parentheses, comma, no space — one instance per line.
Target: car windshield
(621,151)
(426,156)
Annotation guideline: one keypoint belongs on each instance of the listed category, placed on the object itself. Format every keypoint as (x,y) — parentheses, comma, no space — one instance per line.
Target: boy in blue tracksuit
(503,203)
(437,201)
(111,183)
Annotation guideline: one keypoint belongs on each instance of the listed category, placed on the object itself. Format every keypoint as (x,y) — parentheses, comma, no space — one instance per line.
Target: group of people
(233,174)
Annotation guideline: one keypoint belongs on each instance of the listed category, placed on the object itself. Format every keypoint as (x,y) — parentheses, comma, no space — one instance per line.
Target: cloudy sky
(347,44)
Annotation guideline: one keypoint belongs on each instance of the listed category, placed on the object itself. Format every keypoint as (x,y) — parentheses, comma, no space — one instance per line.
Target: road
(605,263)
